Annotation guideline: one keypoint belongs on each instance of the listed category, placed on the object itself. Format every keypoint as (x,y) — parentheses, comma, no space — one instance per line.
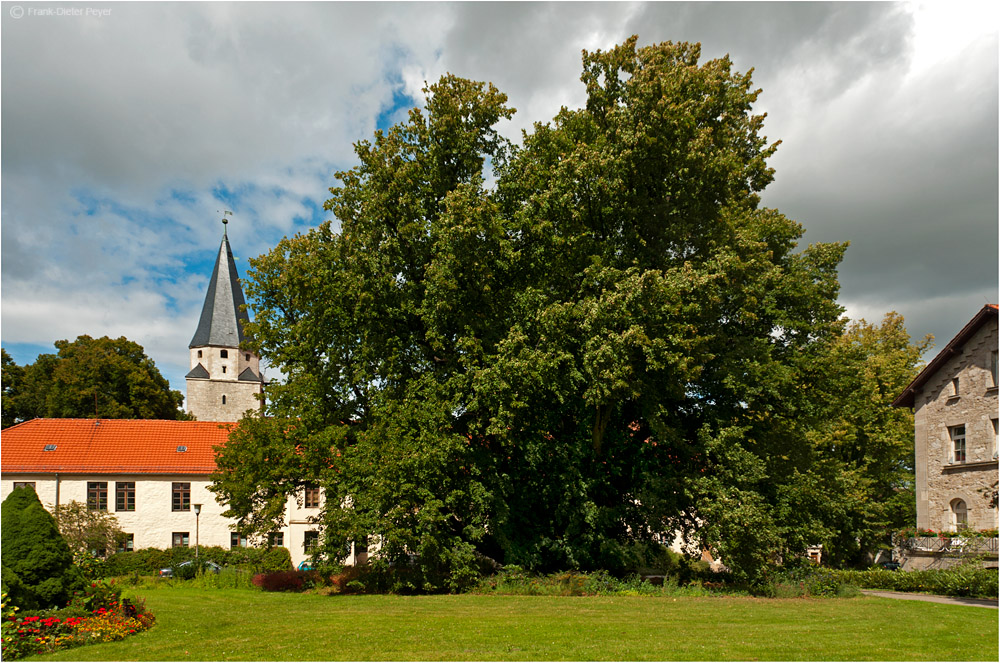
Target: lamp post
(197,517)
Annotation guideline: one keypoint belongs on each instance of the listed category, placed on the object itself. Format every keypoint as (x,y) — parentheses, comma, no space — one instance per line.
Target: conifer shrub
(38,569)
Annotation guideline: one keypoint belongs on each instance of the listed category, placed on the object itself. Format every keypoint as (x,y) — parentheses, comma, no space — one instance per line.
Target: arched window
(959,515)
(223,399)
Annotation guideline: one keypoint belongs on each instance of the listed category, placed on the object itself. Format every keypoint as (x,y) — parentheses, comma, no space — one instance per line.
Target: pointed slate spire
(222,316)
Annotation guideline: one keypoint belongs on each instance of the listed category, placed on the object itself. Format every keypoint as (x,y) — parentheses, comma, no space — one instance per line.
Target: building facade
(954,401)
(154,476)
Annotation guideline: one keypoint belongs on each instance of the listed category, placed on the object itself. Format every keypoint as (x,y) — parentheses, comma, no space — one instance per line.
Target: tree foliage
(88,531)
(89,378)
(611,341)
(38,569)
(866,444)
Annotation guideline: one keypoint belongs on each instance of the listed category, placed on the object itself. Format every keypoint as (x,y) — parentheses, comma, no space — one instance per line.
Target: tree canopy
(543,353)
(89,378)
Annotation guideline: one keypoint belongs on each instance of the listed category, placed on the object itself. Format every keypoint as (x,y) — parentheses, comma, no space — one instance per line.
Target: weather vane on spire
(225,221)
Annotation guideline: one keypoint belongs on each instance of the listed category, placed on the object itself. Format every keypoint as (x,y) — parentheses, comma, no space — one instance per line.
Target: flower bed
(96,615)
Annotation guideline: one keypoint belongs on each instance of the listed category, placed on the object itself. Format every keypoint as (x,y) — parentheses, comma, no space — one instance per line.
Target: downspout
(57,495)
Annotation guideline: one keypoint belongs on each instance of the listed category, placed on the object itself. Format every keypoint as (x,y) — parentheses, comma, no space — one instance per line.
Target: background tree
(613,342)
(88,532)
(867,442)
(90,378)
(38,569)
(12,376)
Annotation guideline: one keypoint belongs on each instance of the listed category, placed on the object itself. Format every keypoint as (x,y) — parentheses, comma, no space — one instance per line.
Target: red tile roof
(907,398)
(112,446)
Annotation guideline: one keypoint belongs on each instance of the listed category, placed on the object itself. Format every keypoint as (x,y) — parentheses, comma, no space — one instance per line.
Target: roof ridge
(906,398)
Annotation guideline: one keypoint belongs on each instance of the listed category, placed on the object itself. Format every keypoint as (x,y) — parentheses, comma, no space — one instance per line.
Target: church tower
(224,380)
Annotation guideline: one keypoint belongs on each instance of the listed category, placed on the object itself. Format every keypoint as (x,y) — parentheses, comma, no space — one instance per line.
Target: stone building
(224,380)
(954,401)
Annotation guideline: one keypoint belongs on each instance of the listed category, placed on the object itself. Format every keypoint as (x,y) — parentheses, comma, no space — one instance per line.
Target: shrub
(94,596)
(149,561)
(87,532)
(514,580)
(351,580)
(38,570)
(970,579)
(286,581)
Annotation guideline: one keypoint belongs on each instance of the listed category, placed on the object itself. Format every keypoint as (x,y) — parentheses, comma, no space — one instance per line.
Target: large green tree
(87,378)
(610,341)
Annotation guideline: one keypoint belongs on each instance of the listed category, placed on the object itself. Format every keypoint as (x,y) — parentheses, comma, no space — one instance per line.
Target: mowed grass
(222,625)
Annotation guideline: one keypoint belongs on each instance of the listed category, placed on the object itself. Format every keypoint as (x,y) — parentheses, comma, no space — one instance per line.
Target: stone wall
(204,399)
(204,395)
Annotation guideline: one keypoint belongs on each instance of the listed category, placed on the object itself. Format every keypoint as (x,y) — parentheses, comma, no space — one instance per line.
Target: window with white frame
(311,539)
(957,443)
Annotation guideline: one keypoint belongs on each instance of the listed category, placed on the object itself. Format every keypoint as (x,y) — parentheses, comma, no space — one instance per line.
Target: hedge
(149,561)
(965,580)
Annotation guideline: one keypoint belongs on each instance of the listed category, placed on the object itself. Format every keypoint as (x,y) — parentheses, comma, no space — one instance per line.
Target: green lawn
(221,625)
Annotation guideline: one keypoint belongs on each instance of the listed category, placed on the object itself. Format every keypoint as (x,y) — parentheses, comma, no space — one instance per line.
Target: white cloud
(888,114)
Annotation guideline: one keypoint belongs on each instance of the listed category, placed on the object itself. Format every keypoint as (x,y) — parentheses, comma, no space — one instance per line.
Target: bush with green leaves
(149,561)
(971,579)
(38,569)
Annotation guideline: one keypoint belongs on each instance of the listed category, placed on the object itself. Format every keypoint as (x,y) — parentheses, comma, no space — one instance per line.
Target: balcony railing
(958,545)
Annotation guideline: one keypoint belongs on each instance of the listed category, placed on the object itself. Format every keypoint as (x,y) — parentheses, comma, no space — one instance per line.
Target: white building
(154,475)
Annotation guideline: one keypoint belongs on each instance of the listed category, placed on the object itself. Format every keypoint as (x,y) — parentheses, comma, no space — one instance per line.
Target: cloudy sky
(128,127)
